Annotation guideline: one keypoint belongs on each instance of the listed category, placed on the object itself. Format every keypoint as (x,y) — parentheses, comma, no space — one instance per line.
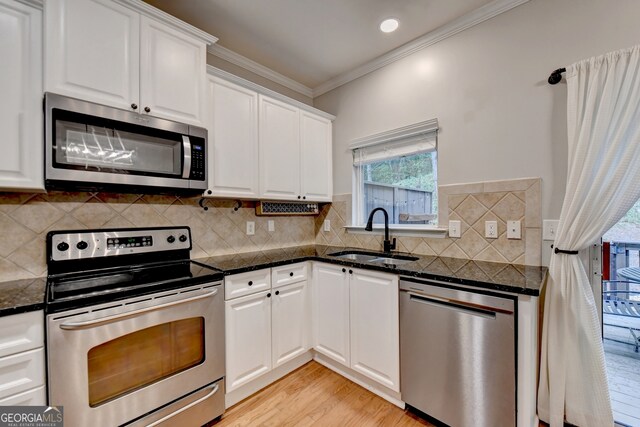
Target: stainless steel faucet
(388,244)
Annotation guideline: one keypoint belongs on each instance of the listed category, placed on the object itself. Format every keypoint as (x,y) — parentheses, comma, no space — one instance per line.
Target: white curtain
(603,182)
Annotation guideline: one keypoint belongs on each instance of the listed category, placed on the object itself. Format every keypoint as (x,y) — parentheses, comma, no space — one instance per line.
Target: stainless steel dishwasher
(458,353)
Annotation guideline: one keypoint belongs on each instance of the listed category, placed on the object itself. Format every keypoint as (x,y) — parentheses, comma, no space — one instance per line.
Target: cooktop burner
(88,267)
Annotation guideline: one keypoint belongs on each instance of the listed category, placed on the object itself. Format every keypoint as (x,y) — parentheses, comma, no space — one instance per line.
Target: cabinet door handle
(134,106)
(298,197)
(277,292)
(291,274)
(304,197)
(344,270)
(147,109)
(250,283)
(269,295)
(350,271)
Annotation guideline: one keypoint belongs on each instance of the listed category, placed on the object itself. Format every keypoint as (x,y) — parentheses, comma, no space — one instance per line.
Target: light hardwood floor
(316,396)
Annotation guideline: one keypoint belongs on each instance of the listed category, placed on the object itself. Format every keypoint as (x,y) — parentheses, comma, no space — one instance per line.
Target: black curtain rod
(556,76)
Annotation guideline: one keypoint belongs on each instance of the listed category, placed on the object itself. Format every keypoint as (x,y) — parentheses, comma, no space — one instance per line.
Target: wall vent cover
(286,208)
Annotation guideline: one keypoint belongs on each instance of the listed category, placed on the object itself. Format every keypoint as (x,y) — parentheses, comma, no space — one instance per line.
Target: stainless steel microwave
(93,147)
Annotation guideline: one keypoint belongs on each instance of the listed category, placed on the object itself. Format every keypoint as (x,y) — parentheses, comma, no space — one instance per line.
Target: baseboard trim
(375,388)
(263,381)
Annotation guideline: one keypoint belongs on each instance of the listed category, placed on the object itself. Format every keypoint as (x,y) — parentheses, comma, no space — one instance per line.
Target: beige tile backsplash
(26,218)
(471,204)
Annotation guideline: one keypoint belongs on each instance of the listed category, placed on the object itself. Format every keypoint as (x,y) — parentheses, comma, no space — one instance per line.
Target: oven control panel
(73,245)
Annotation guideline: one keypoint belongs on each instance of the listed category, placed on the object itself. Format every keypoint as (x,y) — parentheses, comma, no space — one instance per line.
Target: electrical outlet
(271,225)
(327,225)
(491,229)
(549,229)
(251,228)
(454,228)
(514,230)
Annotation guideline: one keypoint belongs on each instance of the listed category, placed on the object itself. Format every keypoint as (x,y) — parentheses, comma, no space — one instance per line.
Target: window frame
(416,134)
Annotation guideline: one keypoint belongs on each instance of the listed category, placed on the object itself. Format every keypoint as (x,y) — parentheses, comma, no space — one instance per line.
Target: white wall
(499,118)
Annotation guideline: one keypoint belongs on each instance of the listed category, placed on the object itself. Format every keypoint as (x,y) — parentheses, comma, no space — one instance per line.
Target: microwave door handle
(186,165)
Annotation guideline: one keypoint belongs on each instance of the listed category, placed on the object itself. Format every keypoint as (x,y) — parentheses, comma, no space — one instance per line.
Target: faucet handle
(392,246)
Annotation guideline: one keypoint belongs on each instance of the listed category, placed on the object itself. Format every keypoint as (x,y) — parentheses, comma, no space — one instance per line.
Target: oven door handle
(213,391)
(86,324)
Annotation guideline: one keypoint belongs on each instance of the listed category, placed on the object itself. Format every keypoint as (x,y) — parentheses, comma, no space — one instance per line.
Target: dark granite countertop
(21,296)
(519,279)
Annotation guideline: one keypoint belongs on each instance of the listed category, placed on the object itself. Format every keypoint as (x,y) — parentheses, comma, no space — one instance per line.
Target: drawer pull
(291,274)
(250,282)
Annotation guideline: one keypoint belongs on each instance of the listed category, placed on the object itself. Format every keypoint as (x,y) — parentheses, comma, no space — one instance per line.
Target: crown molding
(217,72)
(467,21)
(261,70)
(405,132)
(159,15)
(38,4)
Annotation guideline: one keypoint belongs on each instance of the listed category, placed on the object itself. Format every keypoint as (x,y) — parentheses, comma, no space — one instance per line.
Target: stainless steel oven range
(135,330)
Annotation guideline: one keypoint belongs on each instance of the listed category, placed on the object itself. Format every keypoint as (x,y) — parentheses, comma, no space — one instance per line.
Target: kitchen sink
(391,261)
(374,257)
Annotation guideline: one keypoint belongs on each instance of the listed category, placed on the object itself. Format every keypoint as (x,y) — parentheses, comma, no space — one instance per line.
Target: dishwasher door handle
(459,306)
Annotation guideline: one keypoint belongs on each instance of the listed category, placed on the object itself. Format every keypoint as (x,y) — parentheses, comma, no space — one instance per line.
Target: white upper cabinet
(263,145)
(233,140)
(172,73)
(316,170)
(92,51)
(105,52)
(279,150)
(21,100)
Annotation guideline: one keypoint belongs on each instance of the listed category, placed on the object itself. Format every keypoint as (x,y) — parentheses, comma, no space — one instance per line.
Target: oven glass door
(112,363)
(100,145)
(141,358)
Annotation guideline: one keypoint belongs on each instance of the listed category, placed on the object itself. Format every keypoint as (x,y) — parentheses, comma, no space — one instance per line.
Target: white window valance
(413,139)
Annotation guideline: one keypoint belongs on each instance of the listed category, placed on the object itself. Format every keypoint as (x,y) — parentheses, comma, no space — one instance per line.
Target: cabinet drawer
(37,396)
(21,372)
(21,332)
(247,283)
(288,274)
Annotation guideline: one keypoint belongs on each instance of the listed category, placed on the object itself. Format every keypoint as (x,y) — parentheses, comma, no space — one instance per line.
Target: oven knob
(182,238)
(171,239)
(82,245)
(63,246)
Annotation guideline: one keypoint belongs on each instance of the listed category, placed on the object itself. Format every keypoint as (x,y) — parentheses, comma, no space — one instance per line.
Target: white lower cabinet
(330,302)
(265,329)
(289,322)
(22,371)
(374,320)
(248,338)
(356,321)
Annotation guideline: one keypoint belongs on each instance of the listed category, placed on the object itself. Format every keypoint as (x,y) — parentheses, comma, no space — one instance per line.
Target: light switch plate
(549,229)
(327,225)
(454,228)
(271,225)
(514,230)
(251,228)
(491,229)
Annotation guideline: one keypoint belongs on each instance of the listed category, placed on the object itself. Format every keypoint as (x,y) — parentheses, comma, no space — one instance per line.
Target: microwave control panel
(197,162)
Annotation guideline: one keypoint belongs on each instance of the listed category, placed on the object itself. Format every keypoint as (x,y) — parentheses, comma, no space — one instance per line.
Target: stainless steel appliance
(135,330)
(90,146)
(458,353)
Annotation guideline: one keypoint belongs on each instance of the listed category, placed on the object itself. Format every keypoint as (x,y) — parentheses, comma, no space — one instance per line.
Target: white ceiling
(314,41)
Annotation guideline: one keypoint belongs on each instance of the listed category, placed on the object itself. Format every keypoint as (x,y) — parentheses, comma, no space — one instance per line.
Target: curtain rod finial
(556,76)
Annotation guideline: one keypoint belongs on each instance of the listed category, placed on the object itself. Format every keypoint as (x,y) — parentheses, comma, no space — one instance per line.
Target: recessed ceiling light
(389,25)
